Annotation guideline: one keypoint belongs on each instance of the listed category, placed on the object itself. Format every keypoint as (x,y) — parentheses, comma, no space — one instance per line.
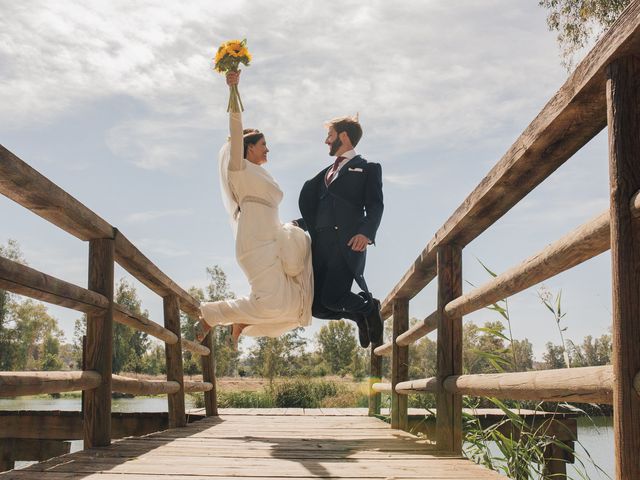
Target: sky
(116,103)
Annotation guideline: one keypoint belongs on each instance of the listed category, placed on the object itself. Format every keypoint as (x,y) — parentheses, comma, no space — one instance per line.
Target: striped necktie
(332,171)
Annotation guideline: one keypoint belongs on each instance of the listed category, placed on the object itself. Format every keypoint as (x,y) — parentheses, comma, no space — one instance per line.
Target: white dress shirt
(347,156)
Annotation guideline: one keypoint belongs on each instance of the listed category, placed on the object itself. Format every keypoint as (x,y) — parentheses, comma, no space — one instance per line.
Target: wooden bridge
(604,91)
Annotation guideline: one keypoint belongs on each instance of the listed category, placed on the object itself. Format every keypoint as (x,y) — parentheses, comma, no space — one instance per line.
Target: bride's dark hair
(251,137)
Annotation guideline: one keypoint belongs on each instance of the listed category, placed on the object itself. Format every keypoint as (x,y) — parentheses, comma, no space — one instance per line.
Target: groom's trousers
(333,298)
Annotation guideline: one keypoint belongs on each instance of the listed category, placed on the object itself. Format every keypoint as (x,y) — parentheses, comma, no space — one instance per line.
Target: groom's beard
(334,147)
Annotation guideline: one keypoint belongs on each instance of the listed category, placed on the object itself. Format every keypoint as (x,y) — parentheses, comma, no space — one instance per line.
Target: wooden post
(99,346)
(375,376)
(173,354)
(623,115)
(209,375)
(449,344)
(400,365)
(7,461)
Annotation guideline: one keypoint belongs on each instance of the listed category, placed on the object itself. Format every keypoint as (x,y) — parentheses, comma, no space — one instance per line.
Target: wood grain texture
(173,354)
(623,99)
(27,281)
(375,376)
(99,346)
(419,330)
(15,384)
(25,186)
(194,347)
(574,115)
(208,363)
(449,350)
(126,317)
(584,385)
(399,365)
(137,264)
(585,242)
(136,386)
(295,446)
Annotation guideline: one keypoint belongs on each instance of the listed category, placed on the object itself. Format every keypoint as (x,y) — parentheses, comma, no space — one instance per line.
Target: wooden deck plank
(261,446)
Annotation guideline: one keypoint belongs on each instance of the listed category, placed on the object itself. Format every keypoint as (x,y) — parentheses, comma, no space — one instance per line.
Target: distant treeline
(30,339)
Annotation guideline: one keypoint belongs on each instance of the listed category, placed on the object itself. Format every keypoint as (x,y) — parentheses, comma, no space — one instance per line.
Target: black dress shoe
(363,332)
(374,320)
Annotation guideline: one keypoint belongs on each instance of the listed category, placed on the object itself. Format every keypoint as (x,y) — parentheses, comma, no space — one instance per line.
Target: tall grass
(294,393)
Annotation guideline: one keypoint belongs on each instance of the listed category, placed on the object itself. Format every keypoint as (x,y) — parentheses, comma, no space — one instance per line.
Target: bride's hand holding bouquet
(229,57)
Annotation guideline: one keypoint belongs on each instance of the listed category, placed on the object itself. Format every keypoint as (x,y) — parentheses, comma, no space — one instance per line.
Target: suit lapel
(355,161)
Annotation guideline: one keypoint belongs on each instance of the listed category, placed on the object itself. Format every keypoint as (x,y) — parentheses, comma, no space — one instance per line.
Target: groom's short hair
(349,125)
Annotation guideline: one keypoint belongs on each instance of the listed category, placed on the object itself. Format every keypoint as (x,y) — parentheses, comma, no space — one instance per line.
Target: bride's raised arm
(235,130)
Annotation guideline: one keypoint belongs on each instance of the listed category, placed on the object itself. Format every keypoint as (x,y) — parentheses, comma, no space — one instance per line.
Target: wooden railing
(603,91)
(107,245)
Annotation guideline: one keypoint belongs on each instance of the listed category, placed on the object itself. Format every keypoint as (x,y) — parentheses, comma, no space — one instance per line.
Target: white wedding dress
(275,258)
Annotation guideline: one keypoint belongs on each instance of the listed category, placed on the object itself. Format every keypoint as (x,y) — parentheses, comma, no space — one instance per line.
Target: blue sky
(116,103)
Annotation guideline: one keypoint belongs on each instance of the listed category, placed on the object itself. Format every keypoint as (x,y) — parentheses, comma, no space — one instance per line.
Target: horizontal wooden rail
(27,281)
(193,387)
(27,187)
(16,384)
(584,385)
(585,242)
(574,115)
(135,386)
(419,330)
(126,317)
(138,265)
(195,347)
(381,387)
(384,350)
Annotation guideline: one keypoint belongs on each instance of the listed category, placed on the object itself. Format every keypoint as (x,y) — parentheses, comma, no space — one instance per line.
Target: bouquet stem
(235,102)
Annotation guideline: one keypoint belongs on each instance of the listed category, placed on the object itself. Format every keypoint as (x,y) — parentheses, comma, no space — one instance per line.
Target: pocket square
(355,169)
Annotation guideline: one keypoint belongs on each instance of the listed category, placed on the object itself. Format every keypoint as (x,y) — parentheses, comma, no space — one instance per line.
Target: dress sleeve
(237,143)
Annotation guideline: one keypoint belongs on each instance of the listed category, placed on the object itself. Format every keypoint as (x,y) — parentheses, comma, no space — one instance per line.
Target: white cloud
(385,61)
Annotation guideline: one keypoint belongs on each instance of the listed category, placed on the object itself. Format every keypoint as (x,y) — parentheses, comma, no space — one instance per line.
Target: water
(136,404)
(595,434)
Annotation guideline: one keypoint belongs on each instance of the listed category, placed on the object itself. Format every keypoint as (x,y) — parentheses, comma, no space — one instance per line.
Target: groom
(341,209)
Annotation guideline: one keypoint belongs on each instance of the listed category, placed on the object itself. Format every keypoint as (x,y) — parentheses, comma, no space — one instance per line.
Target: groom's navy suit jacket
(356,201)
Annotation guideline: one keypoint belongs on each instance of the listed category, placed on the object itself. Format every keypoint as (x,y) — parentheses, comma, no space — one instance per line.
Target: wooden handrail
(142,387)
(419,330)
(585,385)
(27,187)
(193,387)
(382,387)
(574,115)
(126,317)
(384,350)
(195,347)
(23,280)
(585,242)
(16,384)
(138,265)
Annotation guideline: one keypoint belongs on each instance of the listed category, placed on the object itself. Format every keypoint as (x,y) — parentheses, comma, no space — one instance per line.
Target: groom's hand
(358,243)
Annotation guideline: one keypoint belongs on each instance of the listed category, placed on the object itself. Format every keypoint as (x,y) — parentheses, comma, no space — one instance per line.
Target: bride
(275,257)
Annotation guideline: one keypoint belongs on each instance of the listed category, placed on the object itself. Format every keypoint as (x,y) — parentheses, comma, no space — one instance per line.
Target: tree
(129,345)
(553,357)
(337,343)
(8,339)
(273,357)
(38,335)
(226,356)
(579,22)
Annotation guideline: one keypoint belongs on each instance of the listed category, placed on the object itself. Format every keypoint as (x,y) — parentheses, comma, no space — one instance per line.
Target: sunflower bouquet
(228,58)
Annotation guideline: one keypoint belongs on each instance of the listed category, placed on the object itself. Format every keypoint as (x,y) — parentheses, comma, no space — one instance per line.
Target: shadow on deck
(291,445)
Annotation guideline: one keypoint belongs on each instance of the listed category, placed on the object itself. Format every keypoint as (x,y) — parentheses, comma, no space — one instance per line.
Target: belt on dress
(251,199)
